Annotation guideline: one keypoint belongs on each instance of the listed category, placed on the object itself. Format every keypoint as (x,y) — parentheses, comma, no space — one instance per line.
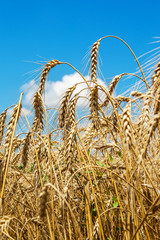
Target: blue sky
(66,30)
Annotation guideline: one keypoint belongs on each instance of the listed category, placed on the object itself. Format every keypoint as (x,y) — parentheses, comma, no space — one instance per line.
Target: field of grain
(92,177)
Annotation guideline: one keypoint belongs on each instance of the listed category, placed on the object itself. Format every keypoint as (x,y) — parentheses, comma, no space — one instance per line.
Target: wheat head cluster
(93,175)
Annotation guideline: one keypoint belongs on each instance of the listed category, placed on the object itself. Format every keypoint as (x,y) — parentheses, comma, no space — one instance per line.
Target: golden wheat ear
(94,53)
(38,107)
(126,122)
(70,119)
(156,89)
(37,102)
(111,88)
(2,123)
(44,74)
(94,107)
(42,202)
(64,106)
(25,149)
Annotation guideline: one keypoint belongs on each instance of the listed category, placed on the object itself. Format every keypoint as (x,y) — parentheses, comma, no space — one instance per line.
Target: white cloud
(54,91)
(29,90)
(26,111)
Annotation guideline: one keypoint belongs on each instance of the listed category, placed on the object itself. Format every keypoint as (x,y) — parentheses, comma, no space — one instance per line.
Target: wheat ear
(42,202)
(2,122)
(70,144)
(89,135)
(156,90)
(64,105)
(38,107)
(25,150)
(126,122)
(146,113)
(10,128)
(156,78)
(153,124)
(94,106)
(121,99)
(37,103)
(71,119)
(44,74)
(94,53)
(111,87)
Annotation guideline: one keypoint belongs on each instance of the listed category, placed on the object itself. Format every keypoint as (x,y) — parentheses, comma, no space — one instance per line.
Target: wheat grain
(121,99)
(136,94)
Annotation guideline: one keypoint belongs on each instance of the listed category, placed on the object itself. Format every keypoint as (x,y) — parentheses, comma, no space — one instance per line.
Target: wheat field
(91,177)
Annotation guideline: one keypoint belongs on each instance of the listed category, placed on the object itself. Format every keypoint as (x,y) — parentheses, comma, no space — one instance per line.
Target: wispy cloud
(29,90)
(54,90)
(26,112)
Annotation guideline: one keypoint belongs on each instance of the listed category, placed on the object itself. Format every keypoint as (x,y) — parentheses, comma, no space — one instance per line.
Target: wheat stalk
(8,144)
